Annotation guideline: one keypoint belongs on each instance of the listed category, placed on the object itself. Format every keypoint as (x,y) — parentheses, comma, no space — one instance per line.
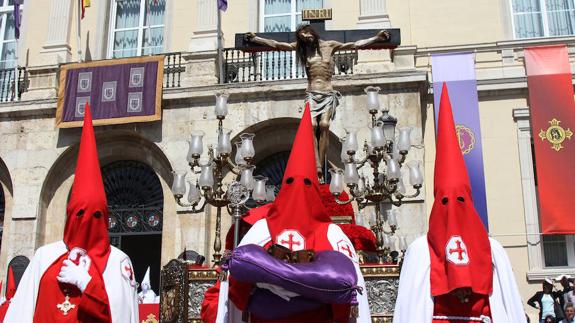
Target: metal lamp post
(385,156)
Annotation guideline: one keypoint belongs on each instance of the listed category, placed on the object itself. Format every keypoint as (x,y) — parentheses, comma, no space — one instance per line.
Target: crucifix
(315,47)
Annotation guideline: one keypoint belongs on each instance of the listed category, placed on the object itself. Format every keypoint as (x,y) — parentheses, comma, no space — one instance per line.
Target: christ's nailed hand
(250,36)
(383,35)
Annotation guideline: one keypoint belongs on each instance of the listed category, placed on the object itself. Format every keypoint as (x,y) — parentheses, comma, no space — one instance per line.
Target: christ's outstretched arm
(381,36)
(270,42)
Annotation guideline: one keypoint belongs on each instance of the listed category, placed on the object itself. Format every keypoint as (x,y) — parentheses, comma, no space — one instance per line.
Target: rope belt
(482,318)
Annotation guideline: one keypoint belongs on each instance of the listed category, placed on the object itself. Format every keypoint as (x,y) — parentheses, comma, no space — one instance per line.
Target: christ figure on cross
(316,56)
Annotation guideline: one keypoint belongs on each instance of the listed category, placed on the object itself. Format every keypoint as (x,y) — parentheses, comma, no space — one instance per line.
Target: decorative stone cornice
(496,46)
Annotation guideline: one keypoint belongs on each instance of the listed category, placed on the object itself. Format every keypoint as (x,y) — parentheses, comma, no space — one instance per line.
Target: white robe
(121,289)
(415,303)
(259,234)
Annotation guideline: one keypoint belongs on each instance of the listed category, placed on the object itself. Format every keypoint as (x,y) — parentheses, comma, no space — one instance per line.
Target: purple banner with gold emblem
(118,91)
(458,71)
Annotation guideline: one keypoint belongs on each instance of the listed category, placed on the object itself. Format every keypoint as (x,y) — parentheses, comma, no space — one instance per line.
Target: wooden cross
(317,18)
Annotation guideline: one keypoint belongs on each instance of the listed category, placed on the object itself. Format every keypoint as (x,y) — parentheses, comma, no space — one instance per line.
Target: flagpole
(148,43)
(17,21)
(79,36)
(220,53)
(16,76)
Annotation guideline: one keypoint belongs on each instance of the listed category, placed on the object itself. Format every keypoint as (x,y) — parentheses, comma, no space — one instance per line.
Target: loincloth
(322,101)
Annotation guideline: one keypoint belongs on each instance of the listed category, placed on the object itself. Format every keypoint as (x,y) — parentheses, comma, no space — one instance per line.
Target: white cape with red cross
(118,278)
(415,303)
(259,234)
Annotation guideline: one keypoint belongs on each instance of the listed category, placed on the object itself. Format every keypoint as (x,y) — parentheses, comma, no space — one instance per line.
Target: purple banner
(118,91)
(17,18)
(223,5)
(458,71)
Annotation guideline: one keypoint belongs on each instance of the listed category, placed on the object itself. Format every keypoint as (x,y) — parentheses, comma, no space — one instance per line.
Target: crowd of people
(555,305)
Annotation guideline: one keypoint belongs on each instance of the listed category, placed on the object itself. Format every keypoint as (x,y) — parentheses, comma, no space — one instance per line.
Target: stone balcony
(499,66)
(200,72)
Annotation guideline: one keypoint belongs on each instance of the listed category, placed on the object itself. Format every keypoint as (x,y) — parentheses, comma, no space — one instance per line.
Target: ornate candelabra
(385,155)
(208,189)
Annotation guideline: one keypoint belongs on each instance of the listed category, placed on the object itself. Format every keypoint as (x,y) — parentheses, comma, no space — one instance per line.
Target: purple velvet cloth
(268,306)
(331,278)
(110,91)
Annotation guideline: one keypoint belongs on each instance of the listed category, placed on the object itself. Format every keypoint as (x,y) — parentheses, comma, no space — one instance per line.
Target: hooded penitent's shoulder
(495,244)
(118,254)
(420,242)
(497,250)
(57,246)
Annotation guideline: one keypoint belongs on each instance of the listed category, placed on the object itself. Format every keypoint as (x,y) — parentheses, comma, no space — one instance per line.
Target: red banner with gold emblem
(552,110)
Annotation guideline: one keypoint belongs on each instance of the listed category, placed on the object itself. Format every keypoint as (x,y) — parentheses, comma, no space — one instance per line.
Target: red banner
(552,110)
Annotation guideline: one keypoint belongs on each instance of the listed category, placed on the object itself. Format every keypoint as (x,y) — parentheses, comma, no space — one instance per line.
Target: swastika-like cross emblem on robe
(291,239)
(456,251)
(66,306)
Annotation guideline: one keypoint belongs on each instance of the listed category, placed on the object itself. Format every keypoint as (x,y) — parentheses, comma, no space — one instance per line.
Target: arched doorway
(273,143)
(18,265)
(136,205)
(273,167)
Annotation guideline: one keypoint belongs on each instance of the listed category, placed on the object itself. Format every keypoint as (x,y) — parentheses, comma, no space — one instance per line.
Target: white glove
(279,291)
(76,275)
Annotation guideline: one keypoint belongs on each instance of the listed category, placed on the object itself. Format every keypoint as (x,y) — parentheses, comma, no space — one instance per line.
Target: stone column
(205,37)
(534,241)
(57,48)
(373,14)
(253,11)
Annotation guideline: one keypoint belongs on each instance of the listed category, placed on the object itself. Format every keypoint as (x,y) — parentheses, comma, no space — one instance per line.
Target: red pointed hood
(87,222)
(450,170)
(11,285)
(298,211)
(458,242)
